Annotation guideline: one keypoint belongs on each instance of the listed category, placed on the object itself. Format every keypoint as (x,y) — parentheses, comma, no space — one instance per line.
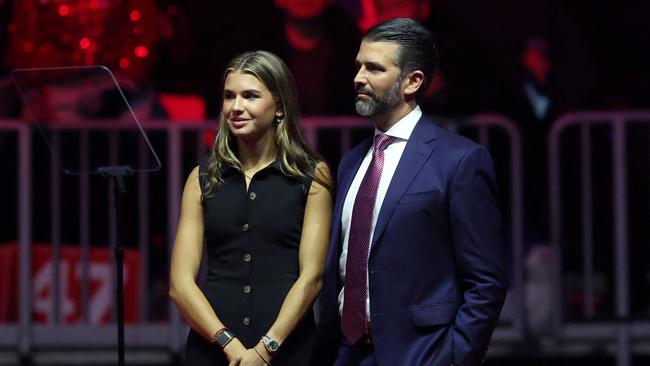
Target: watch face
(273,346)
(224,338)
(270,344)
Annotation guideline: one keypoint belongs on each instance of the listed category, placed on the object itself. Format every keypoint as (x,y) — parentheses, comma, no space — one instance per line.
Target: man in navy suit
(415,270)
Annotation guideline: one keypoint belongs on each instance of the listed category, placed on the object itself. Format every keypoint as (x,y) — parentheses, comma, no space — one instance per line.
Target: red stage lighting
(84,43)
(124,62)
(135,15)
(141,51)
(64,10)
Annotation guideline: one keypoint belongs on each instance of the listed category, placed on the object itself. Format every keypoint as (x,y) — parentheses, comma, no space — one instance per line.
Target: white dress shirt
(401,131)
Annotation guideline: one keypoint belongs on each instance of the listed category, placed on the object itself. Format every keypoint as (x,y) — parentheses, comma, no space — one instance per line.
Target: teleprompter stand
(84,106)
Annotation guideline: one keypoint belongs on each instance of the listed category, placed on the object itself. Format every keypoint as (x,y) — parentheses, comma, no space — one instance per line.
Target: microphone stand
(119,191)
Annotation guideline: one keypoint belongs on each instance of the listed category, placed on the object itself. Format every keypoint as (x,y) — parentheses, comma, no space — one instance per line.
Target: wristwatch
(223,337)
(270,344)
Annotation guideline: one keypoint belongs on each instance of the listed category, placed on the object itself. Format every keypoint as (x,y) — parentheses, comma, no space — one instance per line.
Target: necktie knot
(382,141)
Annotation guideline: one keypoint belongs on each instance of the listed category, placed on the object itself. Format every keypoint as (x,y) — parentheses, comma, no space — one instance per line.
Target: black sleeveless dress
(252,239)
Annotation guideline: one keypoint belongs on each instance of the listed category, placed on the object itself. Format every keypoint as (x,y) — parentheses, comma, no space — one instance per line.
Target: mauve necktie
(353,318)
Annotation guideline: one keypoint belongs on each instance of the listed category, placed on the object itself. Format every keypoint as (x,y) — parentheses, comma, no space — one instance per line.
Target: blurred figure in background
(320,41)
(536,62)
(526,60)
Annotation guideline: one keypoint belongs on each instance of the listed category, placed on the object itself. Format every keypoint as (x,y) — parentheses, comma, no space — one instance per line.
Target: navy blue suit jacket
(436,266)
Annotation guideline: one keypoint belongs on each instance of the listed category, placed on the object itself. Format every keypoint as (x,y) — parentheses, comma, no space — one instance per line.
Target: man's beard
(378,104)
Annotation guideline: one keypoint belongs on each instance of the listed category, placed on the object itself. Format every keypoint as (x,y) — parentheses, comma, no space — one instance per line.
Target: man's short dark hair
(417,47)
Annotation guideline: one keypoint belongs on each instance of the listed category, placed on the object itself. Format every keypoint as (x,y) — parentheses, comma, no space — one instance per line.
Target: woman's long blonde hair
(293,154)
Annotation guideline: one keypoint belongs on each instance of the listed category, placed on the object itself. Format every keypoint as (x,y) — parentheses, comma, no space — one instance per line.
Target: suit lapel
(418,149)
(356,158)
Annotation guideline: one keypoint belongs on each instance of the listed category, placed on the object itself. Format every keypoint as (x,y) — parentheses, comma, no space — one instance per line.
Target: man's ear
(413,82)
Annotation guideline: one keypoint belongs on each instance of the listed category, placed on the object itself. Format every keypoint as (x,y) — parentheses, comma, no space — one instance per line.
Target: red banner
(101,298)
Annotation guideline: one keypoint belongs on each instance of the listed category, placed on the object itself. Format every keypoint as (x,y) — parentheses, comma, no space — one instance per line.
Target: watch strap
(223,337)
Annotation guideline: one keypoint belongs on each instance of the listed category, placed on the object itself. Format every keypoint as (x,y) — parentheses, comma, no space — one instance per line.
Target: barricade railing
(18,335)
(170,334)
(618,330)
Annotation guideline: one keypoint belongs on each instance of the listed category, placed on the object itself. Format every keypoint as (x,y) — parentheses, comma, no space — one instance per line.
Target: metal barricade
(620,332)
(18,335)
